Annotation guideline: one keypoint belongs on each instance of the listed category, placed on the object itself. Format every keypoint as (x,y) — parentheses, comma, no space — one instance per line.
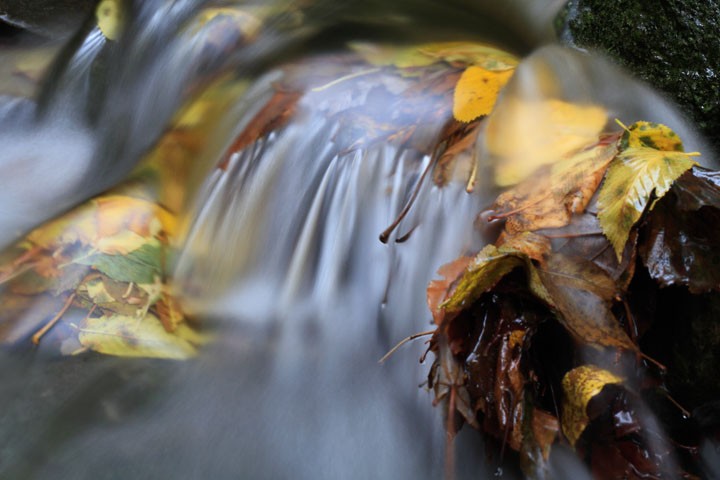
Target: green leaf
(142,265)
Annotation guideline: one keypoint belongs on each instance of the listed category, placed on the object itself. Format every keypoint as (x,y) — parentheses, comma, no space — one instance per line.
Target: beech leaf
(580,385)
(635,174)
(476,92)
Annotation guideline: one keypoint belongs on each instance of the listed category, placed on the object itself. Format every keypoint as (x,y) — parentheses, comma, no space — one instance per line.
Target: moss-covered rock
(674,45)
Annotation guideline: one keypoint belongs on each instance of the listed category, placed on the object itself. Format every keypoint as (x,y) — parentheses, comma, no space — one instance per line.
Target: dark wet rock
(49,18)
(674,45)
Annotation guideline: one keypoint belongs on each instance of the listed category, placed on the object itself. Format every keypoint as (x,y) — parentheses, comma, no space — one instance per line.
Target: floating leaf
(416,56)
(129,337)
(580,385)
(476,92)
(553,195)
(632,178)
(524,135)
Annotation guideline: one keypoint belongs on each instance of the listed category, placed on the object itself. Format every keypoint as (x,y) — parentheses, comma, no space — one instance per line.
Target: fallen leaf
(580,385)
(540,430)
(110,16)
(476,92)
(681,245)
(582,295)
(467,53)
(143,265)
(650,135)
(129,337)
(523,135)
(437,289)
(635,175)
(555,194)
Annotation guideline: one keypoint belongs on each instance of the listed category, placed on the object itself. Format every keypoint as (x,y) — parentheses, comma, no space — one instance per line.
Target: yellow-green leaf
(632,178)
(415,56)
(580,385)
(650,135)
(127,336)
(110,16)
(476,92)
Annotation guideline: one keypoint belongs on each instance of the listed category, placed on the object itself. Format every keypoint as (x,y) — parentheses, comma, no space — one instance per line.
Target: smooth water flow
(281,256)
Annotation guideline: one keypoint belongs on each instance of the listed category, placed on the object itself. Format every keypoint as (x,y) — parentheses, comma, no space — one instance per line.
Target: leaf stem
(403,342)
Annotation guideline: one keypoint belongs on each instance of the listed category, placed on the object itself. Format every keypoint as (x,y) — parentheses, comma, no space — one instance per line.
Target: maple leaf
(580,385)
(552,196)
(523,135)
(633,177)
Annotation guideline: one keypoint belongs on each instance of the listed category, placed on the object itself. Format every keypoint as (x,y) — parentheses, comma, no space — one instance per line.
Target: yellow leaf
(110,16)
(127,336)
(468,53)
(98,293)
(633,176)
(121,243)
(580,385)
(522,136)
(476,92)
(651,135)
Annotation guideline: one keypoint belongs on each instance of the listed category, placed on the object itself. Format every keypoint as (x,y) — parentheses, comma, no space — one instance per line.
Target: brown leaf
(438,289)
(681,244)
(582,294)
(553,195)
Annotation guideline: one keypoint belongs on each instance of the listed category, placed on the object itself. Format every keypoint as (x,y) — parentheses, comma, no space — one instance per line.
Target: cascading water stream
(281,256)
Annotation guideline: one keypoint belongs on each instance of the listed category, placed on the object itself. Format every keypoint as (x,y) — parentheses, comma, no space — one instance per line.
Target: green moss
(674,45)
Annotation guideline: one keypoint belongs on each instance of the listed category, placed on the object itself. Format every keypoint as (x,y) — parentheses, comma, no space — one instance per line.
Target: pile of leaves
(544,337)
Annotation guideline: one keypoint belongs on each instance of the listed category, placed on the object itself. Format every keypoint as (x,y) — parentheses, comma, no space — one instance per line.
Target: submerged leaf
(128,336)
(522,136)
(580,385)
(476,92)
(551,197)
(415,56)
(632,178)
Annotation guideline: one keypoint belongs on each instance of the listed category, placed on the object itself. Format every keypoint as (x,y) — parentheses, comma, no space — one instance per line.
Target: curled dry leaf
(580,385)
(637,173)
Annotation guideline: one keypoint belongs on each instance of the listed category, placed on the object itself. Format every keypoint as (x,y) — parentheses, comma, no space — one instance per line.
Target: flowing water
(281,254)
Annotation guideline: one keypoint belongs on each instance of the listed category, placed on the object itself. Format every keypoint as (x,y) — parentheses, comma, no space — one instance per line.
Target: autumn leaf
(110,16)
(488,267)
(405,57)
(555,194)
(580,385)
(476,92)
(143,265)
(129,336)
(437,289)
(680,245)
(582,295)
(523,135)
(637,173)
